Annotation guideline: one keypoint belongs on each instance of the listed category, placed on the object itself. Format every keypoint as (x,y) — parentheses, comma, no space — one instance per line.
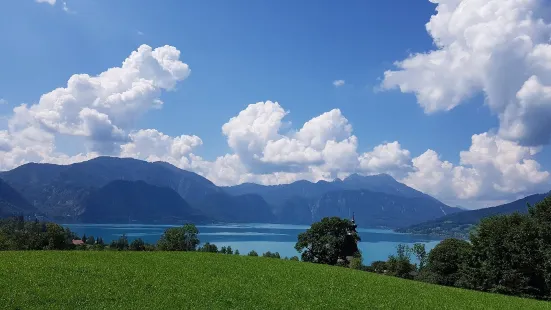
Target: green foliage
(179,239)
(446,261)
(252,253)
(120,244)
(505,257)
(327,241)
(356,263)
(210,248)
(294,258)
(400,265)
(421,254)
(192,280)
(236,252)
(271,255)
(18,234)
(90,240)
(137,245)
(377,267)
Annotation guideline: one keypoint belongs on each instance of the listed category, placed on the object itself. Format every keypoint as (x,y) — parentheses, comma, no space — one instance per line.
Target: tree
(229,250)
(378,266)
(137,245)
(207,247)
(55,236)
(90,240)
(84,238)
(179,239)
(421,254)
(507,257)
(541,213)
(252,253)
(327,241)
(294,258)
(271,255)
(120,244)
(356,262)
(400,265)
(446,261)
(236,252)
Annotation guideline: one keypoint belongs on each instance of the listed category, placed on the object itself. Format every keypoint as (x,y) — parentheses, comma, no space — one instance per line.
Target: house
(78,242)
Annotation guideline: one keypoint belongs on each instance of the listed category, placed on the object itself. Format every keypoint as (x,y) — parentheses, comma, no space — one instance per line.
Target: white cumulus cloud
(102,109)
(338,83)
(498,47)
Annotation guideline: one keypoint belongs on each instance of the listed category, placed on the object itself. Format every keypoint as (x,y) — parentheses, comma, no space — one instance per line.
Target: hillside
(184,280)
(459,224)
(12,203)
(136,201)
(377,200)
(372,209)
(279,194)
(61,191)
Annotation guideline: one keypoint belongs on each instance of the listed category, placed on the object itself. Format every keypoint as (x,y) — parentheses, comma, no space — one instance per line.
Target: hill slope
(12,203)
(116,280)
(460,224)
(371,209)
(279,194)
(60,191)
(377,200)
(128,201)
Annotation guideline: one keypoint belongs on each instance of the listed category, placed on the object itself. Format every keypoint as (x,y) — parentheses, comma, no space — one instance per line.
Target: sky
(451,97)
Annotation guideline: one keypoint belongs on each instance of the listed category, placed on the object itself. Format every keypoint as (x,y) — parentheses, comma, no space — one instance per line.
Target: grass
(164,280)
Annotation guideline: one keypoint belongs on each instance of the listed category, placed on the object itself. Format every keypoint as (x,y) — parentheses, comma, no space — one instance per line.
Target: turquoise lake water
(376,244)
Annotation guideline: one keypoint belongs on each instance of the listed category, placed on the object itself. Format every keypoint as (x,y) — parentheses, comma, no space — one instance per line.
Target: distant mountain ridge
(460,224)
(123,201)
(377,200)
(12,203)
(77,192)
(60,191)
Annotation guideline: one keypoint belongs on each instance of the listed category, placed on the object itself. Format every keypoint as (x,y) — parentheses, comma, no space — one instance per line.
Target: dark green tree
(137,245)
(236,252)
(400,265)
(179,239)
(421,254)
(327,241)
(271,255)
(120,244)
(446,261)
(252,253)
(507,257)
(207,247)
(90,240)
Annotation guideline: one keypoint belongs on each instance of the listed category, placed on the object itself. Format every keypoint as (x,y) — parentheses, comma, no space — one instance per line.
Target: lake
(376,244)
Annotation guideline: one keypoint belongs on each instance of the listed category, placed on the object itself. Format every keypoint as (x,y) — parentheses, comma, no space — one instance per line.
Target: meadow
(191,280)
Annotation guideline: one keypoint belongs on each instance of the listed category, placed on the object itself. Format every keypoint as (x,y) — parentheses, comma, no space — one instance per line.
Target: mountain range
(459,224)
(111,189)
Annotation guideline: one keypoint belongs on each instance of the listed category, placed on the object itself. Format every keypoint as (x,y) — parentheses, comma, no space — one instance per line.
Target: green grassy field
(163,280)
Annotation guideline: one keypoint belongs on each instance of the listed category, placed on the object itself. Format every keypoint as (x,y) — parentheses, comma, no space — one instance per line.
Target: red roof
(78,242)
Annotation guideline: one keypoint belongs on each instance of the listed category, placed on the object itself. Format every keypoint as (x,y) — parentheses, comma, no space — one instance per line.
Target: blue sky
(244,52)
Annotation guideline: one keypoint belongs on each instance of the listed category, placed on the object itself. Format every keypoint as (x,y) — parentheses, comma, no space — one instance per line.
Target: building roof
(78,242)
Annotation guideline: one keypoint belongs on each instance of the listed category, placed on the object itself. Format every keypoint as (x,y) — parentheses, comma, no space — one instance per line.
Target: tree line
(17,234)
(505,254)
